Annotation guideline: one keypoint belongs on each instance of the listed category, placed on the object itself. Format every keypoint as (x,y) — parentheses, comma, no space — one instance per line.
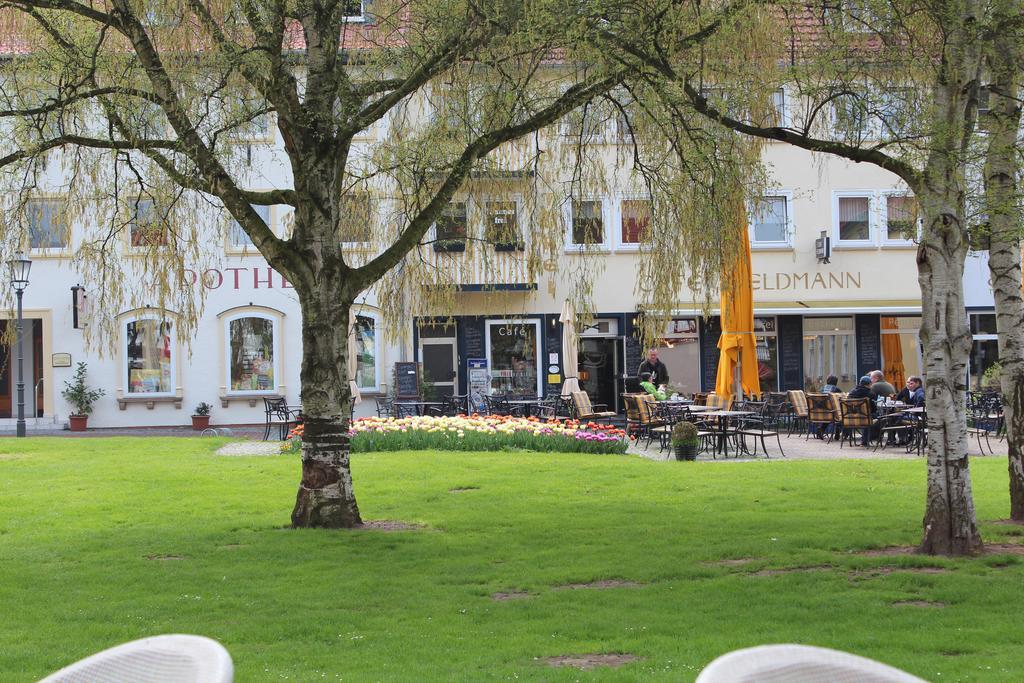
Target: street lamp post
(20,267)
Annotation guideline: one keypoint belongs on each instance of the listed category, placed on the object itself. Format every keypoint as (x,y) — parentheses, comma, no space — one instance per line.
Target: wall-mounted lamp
(79,307)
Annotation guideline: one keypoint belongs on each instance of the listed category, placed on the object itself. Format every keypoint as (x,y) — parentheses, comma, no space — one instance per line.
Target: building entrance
(598,369)
(33,363)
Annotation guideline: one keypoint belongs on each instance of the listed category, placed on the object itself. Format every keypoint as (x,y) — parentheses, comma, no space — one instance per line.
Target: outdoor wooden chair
(651,424)
(798,409)
(820,415)
(700,398)
(278,414)
(632,414)
(584,410)
(856,417)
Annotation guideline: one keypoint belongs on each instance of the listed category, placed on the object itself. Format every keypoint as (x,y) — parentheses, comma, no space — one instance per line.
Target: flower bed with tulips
(476,433)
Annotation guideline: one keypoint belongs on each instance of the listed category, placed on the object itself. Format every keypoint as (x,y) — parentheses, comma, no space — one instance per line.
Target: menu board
(473,329)
(791,357)
(711,330)
(407,381)
(869,343)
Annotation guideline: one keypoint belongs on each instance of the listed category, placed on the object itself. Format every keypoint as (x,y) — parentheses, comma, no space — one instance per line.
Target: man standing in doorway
(659,373)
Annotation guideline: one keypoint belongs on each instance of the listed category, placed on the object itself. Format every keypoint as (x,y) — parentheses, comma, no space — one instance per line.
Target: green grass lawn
(84,523)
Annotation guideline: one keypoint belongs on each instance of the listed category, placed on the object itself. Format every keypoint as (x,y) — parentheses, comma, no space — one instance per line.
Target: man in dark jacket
(659,373)
(913,393)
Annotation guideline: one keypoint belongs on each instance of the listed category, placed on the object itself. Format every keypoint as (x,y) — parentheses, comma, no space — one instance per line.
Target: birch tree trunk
(950,526)
(1002,204)
(326,497)
(949,522)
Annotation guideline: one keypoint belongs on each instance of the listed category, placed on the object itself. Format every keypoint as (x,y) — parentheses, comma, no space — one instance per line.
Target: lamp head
(20,267)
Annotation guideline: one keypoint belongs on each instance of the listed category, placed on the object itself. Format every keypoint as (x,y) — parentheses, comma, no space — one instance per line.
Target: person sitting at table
(831,385)
(863,390)
(648,386)
(879,387)
(913,393)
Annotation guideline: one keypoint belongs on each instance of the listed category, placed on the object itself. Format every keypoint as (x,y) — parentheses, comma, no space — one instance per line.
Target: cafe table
(420,407)
(723,418)
(528,403)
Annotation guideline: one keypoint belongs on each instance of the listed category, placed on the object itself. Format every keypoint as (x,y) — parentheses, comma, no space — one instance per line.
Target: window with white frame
(355,10)
(901,218)
(355,218)
(47,229)
(779,104)
(770,223)
(452,228)
(502,225)
(239,238)
(253,360)
(146,229)
(850,117)
(634,221)
(894,111)
(853,219)
(367,353)
(587,226)
(149,356)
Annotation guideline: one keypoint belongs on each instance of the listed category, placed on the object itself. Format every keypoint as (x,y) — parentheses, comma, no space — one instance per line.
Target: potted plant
(685,440)
(201,416)
(81,397)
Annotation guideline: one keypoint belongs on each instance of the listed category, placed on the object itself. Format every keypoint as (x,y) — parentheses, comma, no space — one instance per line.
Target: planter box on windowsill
(508,246)
(450,245)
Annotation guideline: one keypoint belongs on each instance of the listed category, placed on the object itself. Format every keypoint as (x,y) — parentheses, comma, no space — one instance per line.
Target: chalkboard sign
(791,356)
(710,331)
(407,381)
(869,343)
(473,328)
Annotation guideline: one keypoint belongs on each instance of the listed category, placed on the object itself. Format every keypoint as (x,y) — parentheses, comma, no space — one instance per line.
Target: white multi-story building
(856,312)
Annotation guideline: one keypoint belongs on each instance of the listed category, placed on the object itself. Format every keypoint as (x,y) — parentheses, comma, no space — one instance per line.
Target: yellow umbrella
(736,345)
(353,359)
(892,353)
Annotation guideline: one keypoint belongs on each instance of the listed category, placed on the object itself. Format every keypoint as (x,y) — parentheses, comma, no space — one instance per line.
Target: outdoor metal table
(419,406)
(527,403)
(701,409)
(723,425)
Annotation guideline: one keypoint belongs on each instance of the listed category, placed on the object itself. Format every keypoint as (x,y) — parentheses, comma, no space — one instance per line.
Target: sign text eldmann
(768,282)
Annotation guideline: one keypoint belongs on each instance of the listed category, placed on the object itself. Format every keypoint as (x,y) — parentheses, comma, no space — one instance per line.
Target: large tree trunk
(949,521)
(950,526)
(1004,215)
(326,497)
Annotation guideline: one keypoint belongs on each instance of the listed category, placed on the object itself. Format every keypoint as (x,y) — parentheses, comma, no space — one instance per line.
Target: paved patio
(796,447)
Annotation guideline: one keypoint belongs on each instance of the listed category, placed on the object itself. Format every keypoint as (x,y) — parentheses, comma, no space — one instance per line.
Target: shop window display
(513,360)
(251,342)
(149,356)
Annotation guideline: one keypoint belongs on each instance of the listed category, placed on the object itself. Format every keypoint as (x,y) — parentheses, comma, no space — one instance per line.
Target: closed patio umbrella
(353,359)
(892,353)
(737,345)
(570,348)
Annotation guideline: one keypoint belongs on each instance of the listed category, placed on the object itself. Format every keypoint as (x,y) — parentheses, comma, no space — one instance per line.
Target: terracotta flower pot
(200,422)
(78,423)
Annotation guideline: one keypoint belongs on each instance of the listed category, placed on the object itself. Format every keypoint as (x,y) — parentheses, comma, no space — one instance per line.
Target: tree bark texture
(1002,204)
(950,526)
(326,497)
(949,522)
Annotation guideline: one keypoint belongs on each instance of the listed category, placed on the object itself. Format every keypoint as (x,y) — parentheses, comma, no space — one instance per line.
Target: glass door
(440,367)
